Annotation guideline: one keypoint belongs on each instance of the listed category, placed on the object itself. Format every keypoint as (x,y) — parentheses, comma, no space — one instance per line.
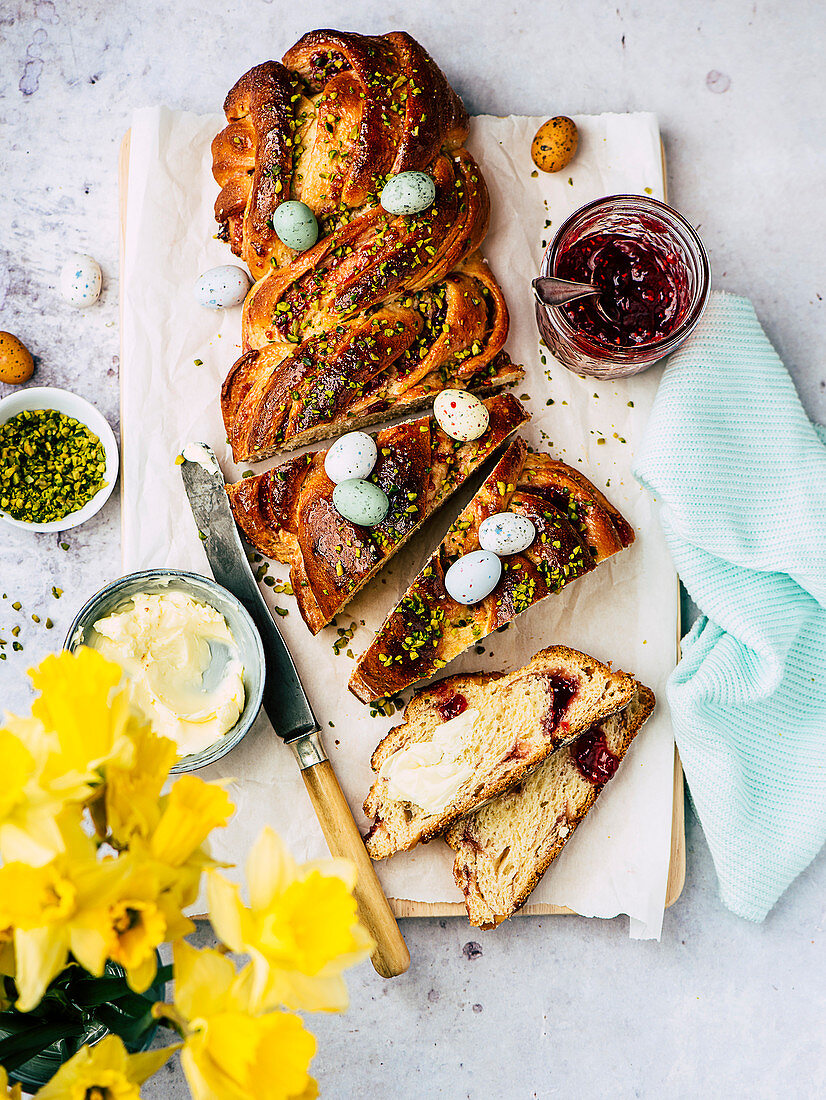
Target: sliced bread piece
(287,513)
(505,847)
(468,738)
(576,527)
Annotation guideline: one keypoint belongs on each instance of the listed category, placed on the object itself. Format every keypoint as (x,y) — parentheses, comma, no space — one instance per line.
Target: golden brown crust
(385,310)
(385,363)
(287,512)
(428,629)
(504,848)
(327,126)
(524,716)
(252,159)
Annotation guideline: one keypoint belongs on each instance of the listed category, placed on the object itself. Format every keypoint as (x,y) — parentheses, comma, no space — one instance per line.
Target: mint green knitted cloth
(740,474)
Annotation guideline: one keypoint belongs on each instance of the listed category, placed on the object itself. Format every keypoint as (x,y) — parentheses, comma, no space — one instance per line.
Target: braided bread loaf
(508,725)
(287,513)
(576,527)
(505,847)
(385,310)
(341,113)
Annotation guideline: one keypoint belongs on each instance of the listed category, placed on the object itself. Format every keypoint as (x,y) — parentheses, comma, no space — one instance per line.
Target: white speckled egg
(296,225)
(361,502)
(506,533)
(473,577)
(222,287)
(408,193)
(461,415)
(351,456)
(80,281)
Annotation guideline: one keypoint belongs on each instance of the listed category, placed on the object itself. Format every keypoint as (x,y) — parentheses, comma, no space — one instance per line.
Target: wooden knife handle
(391,956)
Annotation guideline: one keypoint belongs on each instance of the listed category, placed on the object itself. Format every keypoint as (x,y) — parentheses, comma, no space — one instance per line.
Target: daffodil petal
(106,1068)
(270,868)
(225,910)
(314,994)
(7,1092)
(146,1062)
(344,869)
(202,980)
(88,945)
(193,809)
(40,954)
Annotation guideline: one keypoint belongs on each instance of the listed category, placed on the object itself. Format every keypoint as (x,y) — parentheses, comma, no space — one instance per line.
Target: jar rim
(698,255)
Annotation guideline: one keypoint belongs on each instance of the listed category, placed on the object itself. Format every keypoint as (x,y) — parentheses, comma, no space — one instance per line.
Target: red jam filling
(644,283)
(561,691)
(592,756)
(451,706)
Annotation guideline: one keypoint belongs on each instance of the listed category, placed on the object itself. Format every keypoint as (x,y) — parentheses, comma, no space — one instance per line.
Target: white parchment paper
(625,611)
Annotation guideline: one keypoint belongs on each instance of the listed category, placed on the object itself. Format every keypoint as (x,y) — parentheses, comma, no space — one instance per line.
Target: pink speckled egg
(461,415)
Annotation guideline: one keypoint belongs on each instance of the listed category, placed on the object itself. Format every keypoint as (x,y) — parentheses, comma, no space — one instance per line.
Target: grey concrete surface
(559,1007)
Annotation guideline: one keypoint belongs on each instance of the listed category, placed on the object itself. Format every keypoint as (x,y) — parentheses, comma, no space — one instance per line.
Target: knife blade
(285,700)
(286,703)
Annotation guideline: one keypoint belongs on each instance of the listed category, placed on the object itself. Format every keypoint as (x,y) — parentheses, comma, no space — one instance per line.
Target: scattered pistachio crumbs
(344,637)
(50,465)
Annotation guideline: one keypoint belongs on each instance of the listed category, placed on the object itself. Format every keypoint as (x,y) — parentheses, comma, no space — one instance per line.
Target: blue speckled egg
(296,225)
(80,281)
(473,577)
(361,502)
(351,456)
(222,287)
(506,533)
(408,193)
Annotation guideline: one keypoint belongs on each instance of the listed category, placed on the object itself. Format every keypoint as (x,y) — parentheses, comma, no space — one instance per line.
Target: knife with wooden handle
(287,705)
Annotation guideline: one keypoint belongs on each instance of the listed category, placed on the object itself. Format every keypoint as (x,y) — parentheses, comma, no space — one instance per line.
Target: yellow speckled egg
(555,144)
(16,363)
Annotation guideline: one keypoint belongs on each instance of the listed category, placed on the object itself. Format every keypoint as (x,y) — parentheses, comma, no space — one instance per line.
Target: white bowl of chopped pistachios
(58,459)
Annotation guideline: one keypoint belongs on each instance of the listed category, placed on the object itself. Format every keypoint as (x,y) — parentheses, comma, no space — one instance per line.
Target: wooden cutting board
(400,906)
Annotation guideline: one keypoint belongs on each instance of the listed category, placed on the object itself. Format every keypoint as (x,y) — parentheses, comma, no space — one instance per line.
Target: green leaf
(130,1028)
(164,975)
(99,991)
(19,1048)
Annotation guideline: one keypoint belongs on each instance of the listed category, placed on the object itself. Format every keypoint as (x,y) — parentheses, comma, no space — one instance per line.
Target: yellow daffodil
(7,965)
(29,812)
(9,1092)
(18,769)
(189,813)
(49,908)
(192,809)
(132,795)
(80,727)
(90,718)
(128,926)
(105,1071)
(300,930)
(231,1052)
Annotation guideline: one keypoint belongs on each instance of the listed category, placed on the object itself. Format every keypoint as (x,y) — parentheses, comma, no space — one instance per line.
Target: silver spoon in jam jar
(558,292)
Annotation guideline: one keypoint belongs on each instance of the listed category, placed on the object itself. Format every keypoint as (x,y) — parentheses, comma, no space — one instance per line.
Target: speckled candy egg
(473,577)
(555,144)
(361,502)
(80,281)
(461,415)
(506,533)
(222,287)
(296,225)
(351,456)
(408,193)
(16,363)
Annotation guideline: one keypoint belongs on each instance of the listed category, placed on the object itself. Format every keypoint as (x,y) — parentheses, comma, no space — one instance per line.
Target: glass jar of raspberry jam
(655,277)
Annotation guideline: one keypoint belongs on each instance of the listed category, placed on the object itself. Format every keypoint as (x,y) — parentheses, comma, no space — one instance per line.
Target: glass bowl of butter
(190,653)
